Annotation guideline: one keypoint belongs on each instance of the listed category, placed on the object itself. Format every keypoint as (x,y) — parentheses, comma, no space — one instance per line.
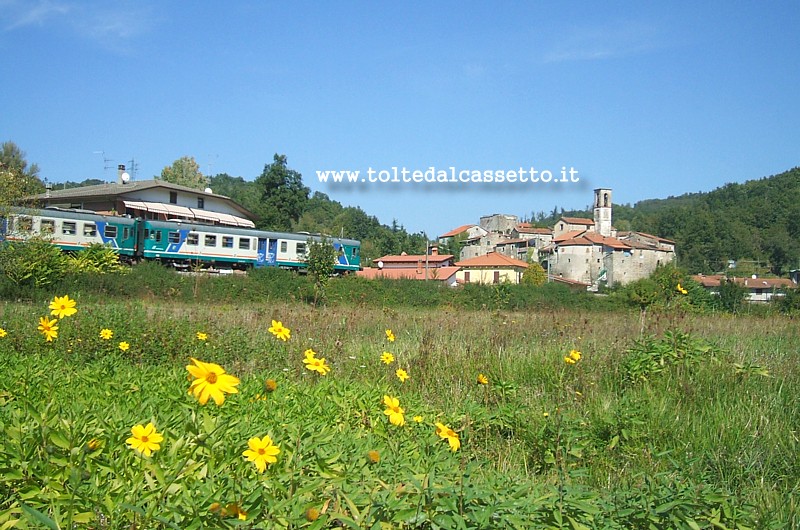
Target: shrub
(35,262)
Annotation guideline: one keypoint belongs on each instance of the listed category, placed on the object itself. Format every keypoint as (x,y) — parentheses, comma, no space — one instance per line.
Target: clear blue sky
(649,99)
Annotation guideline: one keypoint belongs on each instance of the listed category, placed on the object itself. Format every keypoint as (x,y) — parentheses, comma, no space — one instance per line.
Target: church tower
(602,211)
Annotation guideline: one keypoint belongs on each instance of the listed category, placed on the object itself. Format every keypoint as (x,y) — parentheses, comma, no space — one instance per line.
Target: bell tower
(602,211)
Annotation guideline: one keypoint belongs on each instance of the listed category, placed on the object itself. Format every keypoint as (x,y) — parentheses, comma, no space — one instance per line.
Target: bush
(35,262)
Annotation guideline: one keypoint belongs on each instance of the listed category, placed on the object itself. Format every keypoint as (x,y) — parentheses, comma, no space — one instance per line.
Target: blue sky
(649,99)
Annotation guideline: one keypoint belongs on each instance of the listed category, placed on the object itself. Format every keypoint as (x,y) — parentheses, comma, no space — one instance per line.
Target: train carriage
(177,242)
(72,230)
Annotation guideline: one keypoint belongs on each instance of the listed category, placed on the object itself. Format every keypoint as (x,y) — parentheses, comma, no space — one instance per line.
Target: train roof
(80,215)
(220,229)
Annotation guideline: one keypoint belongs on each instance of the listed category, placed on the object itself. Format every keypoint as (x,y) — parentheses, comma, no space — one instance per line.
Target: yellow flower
(106,334)
(211,381)
(312,514)
(575,355)
(93,444)
(270,385)
(387,358)
(261,452)
(681,289)
(373,456)
(309,354)
(145,439)
(280,331)
(546,414)
(389,335)
(418,419)
(3,333)
(124,346)
(201,335)
(569,360)
(62,307)
(446,433)
(394,411)
(482,379)
(402,375)
(317,365)
(48,328)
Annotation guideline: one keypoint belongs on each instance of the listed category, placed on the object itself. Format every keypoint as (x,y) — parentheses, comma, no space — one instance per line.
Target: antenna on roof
(133,167)
(106,164)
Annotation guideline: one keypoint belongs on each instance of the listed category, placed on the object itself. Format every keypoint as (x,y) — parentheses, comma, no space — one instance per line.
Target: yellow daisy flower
(402,375)
(280,331)
(211,381)
(62,306)
(48,328)
(106,334)
(262,452)
(145,439)
(387,358)
(446,433)
(394,411)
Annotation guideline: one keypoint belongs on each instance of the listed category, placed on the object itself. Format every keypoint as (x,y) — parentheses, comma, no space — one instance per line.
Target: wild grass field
(667,420)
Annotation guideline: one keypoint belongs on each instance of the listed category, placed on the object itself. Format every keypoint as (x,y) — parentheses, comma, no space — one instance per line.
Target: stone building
(592,252)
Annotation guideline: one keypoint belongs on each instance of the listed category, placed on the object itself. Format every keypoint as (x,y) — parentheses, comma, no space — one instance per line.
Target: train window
(283,246)
(126,233)
(301,249)
(24,224)
(110,231)
(354,252)
(68,228)
(193,238)
(211,241)
(244,243)
(175,237)
(48,226)
(227,242)
(89,229)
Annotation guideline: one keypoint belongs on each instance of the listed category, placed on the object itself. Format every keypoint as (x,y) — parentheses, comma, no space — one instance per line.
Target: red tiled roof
(612,242)
(456,231)
(492,259)
(529,230)
(568,235)
(511,241)
(440,273)
(651,236)
(414,258)
(714,280)
(578,221)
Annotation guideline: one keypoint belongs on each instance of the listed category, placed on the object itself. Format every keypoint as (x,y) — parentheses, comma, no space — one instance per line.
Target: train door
(261,252)
(272,252)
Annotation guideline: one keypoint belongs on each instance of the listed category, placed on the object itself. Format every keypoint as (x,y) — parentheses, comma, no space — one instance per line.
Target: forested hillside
(757,222)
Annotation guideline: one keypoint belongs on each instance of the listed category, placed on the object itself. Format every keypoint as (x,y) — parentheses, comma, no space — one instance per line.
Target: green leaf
(39,516)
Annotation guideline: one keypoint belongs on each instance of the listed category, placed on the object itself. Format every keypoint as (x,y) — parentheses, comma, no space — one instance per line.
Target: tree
(320,265)
(283,195)
(17,178)
(534,274)
(186,172)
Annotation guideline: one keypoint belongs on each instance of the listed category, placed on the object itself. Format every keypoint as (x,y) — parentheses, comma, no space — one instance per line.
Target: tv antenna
(106,161)
(133,167)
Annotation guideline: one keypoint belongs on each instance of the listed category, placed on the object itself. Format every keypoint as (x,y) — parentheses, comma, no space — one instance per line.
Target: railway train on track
(182,244)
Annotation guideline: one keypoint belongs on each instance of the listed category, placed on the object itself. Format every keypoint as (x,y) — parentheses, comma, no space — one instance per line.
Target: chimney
(120,171)
(434,250)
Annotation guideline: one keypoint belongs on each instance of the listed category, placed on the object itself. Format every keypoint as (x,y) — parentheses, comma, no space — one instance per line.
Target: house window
(89,229)
(227,242)
(68,228)
(193,238)
(244,243)
(48,226)
(466,276)
(110,231)
(211,241)
(496,276)
(173,197)
(201,202)
(174,237)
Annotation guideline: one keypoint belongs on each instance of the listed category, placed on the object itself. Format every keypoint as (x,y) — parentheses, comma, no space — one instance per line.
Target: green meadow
(666,419)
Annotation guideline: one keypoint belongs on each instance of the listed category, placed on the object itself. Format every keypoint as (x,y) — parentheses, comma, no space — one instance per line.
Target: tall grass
(724,419)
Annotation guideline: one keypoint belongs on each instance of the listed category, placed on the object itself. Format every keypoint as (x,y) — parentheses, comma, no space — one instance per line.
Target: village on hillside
(579,252)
